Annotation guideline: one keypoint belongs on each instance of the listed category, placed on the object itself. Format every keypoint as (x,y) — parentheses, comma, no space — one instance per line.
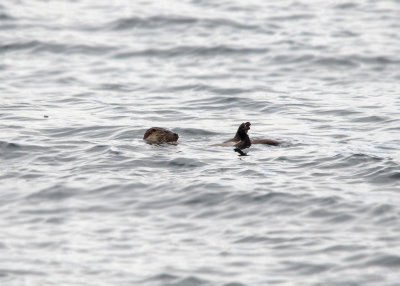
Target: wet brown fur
(253,141)
(160,135)
(241,139)
(244,139)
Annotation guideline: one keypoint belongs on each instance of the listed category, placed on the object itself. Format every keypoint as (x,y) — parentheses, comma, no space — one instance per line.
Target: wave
(192,51)
(194,131)
(385,260)
(346,61)
(223,99)
(346,6)
(6,17)
(56,192)
(332,61)
(163,21)
(175,281)
(8,145)
(150,22)
(10,150)
(369,119)
(36,46)
(294,17)
(388,174)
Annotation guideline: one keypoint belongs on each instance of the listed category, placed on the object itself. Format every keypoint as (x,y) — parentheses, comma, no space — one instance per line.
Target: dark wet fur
(246,127)
(160,135)
(244,139)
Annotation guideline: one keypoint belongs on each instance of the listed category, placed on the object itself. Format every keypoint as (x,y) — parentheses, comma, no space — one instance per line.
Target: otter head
(160,135)
(242,134)
(245,126)
(243,129)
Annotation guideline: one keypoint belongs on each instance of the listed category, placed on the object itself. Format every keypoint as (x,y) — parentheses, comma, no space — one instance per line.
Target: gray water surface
(85,201)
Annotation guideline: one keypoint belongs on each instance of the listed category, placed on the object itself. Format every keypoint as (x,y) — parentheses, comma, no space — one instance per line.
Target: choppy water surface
(85,201)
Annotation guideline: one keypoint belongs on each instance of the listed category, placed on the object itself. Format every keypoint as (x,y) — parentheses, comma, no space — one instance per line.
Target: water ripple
(35,47)
(190,51)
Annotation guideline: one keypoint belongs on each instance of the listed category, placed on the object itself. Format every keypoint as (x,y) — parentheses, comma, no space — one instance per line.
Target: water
(85,201)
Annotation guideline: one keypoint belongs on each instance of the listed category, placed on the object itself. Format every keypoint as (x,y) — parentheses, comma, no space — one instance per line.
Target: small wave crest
(37,46)
(5,17)
(8,145)
(163,21)
(182,51)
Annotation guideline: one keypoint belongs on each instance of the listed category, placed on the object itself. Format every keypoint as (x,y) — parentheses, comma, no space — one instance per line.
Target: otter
(244,139)
(240,141)
(160,135)
(246,127)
